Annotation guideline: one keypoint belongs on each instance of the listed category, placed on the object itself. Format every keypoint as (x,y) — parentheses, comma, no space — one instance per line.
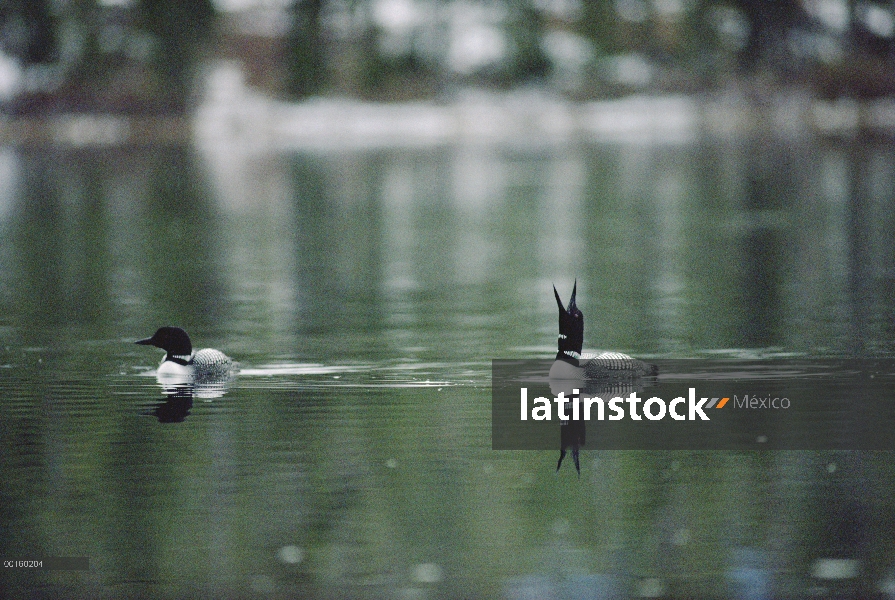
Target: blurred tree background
(142,56)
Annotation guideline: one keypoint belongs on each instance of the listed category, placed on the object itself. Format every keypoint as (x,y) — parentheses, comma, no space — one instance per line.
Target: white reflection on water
(372,376)
(300,369)
(676,249)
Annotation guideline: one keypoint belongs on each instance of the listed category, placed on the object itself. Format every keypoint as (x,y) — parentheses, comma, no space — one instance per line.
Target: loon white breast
(180,360)
(570,363)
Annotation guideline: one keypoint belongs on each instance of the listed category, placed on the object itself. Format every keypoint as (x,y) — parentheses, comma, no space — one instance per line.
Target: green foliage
(28,31)
(178,27)
(305,73)
(525,29)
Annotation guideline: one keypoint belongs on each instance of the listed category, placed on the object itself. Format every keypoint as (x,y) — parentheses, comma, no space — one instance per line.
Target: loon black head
(172,340)
(571,327)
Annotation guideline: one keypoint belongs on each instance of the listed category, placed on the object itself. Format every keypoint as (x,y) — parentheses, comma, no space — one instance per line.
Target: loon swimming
(571,364)
(180,361)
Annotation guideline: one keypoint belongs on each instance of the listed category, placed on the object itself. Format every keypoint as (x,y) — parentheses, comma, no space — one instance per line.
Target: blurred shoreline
(233,113)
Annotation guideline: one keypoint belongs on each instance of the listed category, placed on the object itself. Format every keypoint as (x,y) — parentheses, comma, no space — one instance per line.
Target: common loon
(207,365)
(571,364)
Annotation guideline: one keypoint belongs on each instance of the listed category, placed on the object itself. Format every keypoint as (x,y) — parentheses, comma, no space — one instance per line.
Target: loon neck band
(180,359)
(569,356)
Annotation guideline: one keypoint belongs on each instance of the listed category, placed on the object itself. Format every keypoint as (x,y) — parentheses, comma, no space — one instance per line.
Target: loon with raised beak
(570,363)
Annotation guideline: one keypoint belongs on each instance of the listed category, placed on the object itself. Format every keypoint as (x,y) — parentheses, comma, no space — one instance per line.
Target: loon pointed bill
(572,434)
(180,360)
(570,363)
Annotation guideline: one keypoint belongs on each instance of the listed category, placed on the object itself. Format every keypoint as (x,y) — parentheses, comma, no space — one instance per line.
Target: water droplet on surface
(681,537)
(561,527)
(651,588)
(291,555)
(427,573)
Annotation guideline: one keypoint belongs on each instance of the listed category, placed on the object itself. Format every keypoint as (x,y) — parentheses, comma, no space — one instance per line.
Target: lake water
(365,295)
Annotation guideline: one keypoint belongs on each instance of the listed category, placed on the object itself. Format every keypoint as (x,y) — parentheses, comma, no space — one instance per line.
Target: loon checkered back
(210,363)
(605,364)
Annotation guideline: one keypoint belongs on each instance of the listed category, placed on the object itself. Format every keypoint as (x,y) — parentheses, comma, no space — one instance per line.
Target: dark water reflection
(365,295)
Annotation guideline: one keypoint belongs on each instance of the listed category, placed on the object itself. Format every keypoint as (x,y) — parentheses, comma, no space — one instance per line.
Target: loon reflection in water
(594,374)
(176,407)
